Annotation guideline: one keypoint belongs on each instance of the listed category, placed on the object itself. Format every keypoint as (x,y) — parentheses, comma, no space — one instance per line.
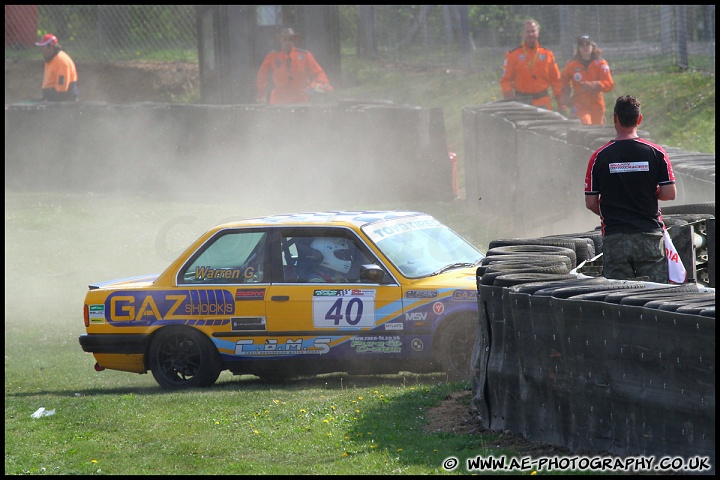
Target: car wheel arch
(211,364)
(462,326)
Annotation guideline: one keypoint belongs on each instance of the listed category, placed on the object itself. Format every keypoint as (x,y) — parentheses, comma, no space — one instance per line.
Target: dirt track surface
(109,83)
(456,414)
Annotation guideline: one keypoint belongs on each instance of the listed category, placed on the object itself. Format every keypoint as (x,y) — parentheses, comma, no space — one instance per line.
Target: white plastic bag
(41,412)
(676,269)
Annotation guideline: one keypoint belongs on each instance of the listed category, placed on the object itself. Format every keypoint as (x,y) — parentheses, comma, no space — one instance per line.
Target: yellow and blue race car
(362,292)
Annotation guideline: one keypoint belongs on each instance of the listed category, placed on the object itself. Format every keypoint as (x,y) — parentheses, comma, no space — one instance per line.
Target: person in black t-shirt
(624,180)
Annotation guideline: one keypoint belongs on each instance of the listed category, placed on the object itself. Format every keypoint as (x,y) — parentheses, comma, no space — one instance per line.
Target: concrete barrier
(303,152)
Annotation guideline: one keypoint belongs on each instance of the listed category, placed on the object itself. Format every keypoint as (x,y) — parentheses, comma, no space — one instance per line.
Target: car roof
(341,217)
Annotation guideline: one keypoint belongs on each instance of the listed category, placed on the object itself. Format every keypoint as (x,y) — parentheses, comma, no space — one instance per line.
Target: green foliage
(678,107)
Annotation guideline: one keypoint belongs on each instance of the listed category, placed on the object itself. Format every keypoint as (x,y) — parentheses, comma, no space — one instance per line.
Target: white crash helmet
(335,253)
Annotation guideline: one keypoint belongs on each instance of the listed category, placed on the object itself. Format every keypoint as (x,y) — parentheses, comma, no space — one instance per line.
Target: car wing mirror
(372,274)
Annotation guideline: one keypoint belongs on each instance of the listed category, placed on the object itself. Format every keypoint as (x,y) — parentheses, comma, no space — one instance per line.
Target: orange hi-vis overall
(527,75)
(60,78)
(588,103)
(292,74)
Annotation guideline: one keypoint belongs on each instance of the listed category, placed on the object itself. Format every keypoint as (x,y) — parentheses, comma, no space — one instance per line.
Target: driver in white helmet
(335,263)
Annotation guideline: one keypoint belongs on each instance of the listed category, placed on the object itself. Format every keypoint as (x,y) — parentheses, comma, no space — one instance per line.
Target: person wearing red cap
(292,71)
(60,77)
(588,75)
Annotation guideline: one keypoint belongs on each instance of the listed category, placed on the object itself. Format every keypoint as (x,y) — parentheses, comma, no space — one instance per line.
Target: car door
(232,266)
(344,318)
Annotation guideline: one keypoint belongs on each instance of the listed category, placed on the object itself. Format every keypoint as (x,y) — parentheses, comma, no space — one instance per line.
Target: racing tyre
(708,312)
(182,357)
(512,279)
(690,208)
(529,259)
(542,249)
(454,347)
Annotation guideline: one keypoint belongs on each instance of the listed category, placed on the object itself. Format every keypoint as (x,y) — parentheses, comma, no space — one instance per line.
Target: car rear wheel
(182,357)
(454,346)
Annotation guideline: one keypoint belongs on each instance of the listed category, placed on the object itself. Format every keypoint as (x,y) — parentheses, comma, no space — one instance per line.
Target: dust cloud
(110,191)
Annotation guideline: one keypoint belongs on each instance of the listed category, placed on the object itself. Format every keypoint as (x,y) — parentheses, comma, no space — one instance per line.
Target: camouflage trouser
(635,255)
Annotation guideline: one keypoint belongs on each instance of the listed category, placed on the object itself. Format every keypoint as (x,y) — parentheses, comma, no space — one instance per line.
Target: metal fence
(471,36)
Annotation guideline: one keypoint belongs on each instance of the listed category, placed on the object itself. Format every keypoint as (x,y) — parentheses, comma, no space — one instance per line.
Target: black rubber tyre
(541,242)
(543,249)
(707,312)
(594,235)
(531,288)
(492,273)
(646,297)
(567,292)
(529,259)
(183,357)
(671,221)
(584,247)
(705,299)
(561,262)
(512,279)
(690,208)
(689,217)
(617,297)
(454,344)
(695,308)
(673,303)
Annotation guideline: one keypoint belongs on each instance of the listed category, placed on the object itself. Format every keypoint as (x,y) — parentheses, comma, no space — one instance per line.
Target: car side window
(322,259)
(232,258)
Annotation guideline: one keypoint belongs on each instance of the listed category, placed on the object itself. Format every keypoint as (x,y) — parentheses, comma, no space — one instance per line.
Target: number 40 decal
(343,312)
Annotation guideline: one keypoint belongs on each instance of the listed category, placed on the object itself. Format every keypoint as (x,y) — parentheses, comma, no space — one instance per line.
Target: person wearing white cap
(60,77)
(293,73)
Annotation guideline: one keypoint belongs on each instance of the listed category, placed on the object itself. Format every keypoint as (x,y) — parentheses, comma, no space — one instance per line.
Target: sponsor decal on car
(206,273)
(311,346)
(402,226)
(144,308)
(393,326)
(247,323)
(250,294)
(379,344)
(465,295)
(96,313)
(415,316)
(421,294)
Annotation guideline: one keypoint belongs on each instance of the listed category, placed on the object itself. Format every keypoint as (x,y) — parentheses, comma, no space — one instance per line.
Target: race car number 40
(344,308)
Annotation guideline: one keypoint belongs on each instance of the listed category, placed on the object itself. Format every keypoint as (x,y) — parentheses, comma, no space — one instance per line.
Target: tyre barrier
(528,259)
(542,249)
(592,364)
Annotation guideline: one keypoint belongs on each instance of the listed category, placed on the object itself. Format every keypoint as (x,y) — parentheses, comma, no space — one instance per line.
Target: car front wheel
(182,357)
(454,346)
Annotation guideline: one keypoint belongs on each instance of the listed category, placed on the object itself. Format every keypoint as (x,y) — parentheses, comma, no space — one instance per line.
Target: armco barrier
(594,375)
(336,153)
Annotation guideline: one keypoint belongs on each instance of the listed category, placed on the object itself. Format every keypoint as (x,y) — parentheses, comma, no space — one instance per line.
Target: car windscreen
(421,246)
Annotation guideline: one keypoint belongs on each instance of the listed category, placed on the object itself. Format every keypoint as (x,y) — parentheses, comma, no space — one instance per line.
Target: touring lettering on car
(363,292)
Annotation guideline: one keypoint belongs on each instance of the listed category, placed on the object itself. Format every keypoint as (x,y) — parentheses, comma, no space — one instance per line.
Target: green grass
(122,423)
